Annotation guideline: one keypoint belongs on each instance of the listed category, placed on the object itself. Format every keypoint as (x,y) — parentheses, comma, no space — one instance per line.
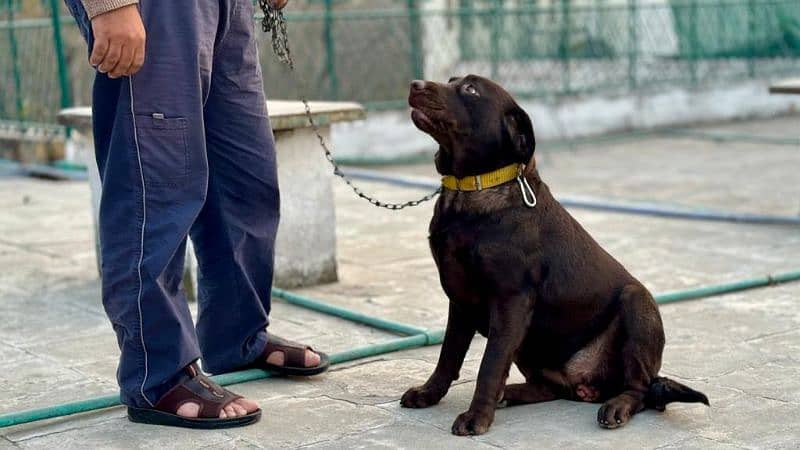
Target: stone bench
(790,86)
(305,252)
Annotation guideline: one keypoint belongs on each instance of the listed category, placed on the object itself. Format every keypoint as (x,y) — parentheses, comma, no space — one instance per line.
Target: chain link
(274,22)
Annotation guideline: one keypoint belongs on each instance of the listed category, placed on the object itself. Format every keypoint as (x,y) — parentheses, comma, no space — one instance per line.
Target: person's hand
(278,4)
(119,39)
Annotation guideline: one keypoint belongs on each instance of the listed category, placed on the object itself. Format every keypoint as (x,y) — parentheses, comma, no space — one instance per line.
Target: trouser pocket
(162,149)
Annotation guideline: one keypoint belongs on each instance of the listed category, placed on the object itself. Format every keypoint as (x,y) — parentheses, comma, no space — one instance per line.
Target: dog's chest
(459,249)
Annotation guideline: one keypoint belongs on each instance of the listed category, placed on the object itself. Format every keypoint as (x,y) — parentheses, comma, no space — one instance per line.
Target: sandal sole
(291,371)
(156,417)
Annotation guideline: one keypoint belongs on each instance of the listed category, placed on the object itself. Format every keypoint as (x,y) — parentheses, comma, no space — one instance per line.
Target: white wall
(391,134)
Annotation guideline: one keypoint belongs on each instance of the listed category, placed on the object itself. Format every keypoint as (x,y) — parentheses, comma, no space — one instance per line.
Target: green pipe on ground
(417,340)
(66,409)
(342,313)
(726,288)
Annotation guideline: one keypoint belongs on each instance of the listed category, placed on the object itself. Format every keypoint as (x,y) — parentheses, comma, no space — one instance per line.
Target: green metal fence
(33,70)
(368,51)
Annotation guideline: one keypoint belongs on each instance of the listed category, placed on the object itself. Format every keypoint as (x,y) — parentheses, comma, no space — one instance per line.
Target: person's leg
(234,235)
(150,149)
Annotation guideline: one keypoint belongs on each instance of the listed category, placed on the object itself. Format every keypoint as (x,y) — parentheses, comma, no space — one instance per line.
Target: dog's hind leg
(532,391)
(641,355)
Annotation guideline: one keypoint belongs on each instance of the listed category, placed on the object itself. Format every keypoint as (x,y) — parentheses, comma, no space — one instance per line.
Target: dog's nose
(418,85)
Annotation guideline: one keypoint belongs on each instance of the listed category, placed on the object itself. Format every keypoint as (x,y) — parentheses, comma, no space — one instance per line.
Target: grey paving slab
(403,433)
(732,422)
(46,385)
(10,354)
(774,380)
(779,127)
(119,433)
(35,321)
(701,443)
(71,352)
(52,427)
(298,421)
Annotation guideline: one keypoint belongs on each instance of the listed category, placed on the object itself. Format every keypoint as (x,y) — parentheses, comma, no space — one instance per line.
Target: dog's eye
(470,89)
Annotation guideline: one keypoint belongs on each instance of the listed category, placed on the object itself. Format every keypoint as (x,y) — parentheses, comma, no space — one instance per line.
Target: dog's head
(478,125)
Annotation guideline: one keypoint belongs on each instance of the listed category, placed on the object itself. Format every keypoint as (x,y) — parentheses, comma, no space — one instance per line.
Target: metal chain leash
(275,23)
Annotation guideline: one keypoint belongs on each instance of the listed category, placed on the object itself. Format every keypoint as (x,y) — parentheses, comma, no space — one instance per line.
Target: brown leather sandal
(294,358)
(201,390)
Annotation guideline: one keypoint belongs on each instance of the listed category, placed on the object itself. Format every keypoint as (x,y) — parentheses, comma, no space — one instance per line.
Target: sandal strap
(294,353)
(199,389)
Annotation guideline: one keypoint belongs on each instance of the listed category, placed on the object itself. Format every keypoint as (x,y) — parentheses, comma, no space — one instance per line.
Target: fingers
(123,67)
(111,59)
(138,60)
(118,59)
(119,48)
(98,51)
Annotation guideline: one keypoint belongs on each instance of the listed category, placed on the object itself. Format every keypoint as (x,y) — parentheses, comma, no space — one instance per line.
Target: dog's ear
(453,79)
(519,131)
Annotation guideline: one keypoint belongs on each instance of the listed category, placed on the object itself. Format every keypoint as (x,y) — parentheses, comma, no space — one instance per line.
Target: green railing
(343,51)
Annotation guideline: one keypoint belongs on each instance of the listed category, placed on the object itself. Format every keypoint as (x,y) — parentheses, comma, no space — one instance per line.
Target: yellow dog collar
(484,181)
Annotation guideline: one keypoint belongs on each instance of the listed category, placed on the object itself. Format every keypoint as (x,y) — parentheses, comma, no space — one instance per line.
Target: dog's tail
(663,391)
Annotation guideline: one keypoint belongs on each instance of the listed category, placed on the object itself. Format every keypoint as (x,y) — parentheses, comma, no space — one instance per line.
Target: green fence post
(751,36)
(12,38)
(466,14)
(63,73)
(563,45)
(417,64)
(330,51)
(693,40)
(496,26)
(633,46)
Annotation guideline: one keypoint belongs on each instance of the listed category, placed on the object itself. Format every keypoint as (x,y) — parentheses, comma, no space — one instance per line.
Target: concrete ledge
(291,115)
(283,114)
(305,249)
(791,86)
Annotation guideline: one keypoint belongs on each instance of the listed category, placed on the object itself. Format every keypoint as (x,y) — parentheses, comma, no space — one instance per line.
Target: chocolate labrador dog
(521,271)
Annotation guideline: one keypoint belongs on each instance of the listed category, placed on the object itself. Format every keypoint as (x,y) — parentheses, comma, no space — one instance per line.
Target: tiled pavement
(741,349)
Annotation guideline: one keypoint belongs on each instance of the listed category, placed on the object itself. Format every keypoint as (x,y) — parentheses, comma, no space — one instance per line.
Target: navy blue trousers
(185,148)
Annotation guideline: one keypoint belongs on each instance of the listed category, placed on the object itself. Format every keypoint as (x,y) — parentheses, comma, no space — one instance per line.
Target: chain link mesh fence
(368,50)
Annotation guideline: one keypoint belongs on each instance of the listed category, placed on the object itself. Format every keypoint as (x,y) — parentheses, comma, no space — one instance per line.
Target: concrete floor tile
(121,434)
(402,434)
(296,421)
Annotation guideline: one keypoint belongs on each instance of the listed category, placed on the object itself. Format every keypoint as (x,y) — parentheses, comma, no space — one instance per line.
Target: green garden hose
(726,288)
(418,338)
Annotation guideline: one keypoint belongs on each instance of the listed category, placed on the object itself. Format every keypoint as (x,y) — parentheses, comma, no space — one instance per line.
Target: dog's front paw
(421,397)
(472,423)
